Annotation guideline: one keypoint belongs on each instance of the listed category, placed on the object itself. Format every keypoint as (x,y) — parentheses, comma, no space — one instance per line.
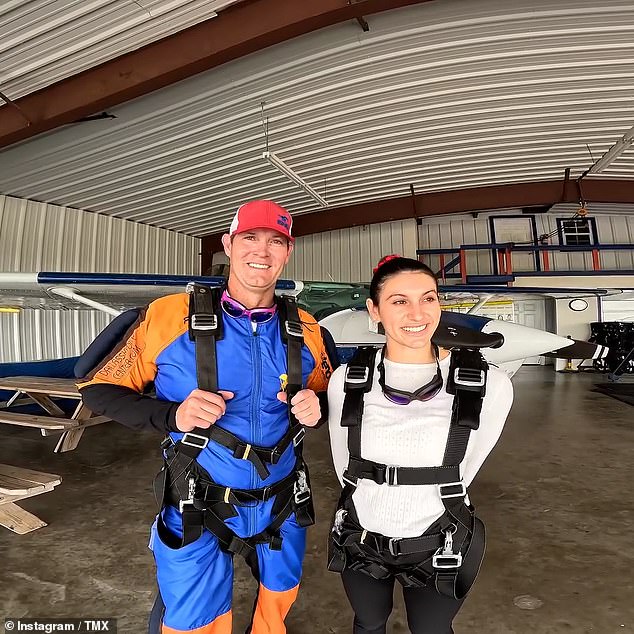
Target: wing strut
(69,293)
(481,302)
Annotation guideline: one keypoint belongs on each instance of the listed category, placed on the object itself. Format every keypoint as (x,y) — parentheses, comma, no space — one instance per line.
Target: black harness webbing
(205,328)
(439,553)
(183,483)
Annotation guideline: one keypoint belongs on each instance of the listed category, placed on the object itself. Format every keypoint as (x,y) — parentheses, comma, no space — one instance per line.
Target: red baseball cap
(262,214)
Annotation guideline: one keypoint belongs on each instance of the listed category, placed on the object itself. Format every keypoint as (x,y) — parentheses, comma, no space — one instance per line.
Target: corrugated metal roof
(43,42)
(442,95)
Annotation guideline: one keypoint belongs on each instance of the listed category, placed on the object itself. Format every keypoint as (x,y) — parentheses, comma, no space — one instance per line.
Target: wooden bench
(16,484)
(45,423)
(41,390)
(49,424)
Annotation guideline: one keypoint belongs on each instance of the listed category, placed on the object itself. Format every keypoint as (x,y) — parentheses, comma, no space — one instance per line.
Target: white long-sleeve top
(413,435)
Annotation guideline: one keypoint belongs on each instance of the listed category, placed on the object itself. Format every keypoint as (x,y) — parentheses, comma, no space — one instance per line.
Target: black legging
(428,612)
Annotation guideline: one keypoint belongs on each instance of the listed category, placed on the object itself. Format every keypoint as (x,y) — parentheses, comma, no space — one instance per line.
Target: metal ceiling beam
(450,202)
(240,29)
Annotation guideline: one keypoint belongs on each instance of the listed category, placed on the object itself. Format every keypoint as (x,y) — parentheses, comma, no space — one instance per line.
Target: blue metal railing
(502,258)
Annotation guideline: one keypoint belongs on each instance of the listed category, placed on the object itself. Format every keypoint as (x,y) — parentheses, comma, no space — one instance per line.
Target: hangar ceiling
(44,42)
(436,97)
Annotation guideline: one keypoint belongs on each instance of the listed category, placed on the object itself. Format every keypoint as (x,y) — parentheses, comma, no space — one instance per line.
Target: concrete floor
(556,496)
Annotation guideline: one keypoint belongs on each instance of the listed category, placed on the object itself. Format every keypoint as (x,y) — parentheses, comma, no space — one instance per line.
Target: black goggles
(401,397)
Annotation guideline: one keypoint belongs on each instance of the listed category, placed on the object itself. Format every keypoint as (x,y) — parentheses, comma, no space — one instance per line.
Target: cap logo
(283,221)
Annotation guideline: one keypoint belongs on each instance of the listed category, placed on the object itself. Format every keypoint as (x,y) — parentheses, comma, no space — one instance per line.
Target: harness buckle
(301,490)
(203,321)
(469,377)
(448,561)
(444,558)
(357,374)
(391,475)
(294,329)
(392,546)
(452,493)
(299,436)
(167,442)
(191,489)
(340,517)
(183,503)
(194,440)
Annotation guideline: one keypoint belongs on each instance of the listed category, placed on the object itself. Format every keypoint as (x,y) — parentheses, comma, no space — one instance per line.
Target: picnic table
(54,420)
(16,484)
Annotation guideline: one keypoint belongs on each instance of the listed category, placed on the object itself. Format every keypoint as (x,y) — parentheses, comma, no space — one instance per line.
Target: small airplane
(338,306)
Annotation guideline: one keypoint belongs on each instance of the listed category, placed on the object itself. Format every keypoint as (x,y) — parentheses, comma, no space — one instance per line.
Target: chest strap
(393,475)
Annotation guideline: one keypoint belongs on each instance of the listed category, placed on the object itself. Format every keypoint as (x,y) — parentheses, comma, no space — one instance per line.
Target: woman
(410,426)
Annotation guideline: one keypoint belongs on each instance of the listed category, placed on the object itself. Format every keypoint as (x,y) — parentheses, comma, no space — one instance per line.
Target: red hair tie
(383,260)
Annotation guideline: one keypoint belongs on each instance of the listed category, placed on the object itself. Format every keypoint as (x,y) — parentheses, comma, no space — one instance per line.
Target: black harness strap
(467,381)
(256,454)
(393,475)
(359,377)
(202,502)
(205,328)
(457,531)
(293,336)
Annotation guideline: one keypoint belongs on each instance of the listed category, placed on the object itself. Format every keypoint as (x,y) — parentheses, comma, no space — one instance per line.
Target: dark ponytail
(391,265)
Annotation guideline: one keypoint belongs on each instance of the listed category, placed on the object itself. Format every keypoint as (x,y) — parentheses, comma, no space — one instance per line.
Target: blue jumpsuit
(195,581)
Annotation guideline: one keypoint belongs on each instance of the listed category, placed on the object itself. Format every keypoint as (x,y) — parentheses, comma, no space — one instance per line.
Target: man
(234,481)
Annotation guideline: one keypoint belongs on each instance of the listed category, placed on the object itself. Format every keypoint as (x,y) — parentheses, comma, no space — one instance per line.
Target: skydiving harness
(449,553)
(183,483)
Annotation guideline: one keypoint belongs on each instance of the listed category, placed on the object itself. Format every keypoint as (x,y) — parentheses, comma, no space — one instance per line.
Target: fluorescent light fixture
(613,153)
(296,178)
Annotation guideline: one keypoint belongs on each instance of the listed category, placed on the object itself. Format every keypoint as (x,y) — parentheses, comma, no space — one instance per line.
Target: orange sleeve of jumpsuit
(319,377)
(132,363)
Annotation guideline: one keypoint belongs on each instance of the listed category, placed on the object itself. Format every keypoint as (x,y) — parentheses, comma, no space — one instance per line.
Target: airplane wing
(108,292)
(338,306)
(118,291)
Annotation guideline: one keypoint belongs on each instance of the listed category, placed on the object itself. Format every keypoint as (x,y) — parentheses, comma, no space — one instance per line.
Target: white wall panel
(37,334)
(349,255)
(39,237)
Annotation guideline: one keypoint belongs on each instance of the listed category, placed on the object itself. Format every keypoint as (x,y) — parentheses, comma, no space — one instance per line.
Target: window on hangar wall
(577,231)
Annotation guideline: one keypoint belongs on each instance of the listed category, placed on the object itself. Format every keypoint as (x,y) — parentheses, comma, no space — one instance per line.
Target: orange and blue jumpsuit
(195,581)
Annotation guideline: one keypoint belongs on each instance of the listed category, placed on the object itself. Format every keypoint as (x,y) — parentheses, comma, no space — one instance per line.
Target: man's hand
(201,409)
(305,406)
